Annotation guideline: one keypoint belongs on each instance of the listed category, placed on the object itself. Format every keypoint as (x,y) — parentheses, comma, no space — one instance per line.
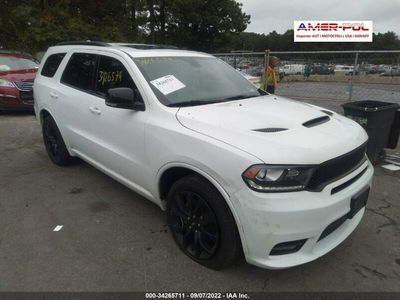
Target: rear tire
(202,224)
(54,143)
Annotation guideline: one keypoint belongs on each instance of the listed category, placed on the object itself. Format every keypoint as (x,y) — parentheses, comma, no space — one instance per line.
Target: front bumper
(268,219)
(13,99)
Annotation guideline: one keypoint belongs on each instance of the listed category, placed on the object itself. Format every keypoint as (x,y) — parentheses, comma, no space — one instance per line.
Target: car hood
(236,122)
(19,75)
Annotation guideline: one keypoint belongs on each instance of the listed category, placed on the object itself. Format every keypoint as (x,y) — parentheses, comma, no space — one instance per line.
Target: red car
(17,72)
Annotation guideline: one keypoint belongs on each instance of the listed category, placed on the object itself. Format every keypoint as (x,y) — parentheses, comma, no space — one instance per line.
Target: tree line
(205,25)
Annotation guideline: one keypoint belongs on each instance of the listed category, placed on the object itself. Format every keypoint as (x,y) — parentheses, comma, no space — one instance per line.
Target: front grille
(26,96)
(336,168)
(26,86)
(25,90)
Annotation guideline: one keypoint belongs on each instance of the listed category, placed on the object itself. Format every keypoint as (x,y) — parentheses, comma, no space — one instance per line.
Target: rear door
(74,98)
(46,81)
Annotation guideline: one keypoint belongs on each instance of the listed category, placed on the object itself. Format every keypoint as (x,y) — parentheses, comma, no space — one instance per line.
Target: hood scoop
(329,113)
(269,130)
(316,121)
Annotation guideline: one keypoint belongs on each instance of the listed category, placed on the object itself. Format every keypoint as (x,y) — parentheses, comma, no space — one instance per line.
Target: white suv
(236,169)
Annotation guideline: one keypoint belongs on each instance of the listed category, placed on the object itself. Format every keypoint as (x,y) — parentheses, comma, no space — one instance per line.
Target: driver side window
(111,73)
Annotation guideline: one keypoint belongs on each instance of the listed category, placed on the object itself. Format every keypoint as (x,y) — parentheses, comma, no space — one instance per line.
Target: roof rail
(146,46)
(87,43)
(130,45)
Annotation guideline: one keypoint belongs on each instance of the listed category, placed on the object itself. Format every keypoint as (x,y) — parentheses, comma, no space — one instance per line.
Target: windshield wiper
(238,97)
(218,100)
(192,103)
(262,92)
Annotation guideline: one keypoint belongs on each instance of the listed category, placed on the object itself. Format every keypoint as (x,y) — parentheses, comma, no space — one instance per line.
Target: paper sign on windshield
(167,84)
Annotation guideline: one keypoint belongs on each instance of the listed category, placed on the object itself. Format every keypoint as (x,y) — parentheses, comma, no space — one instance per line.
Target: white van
(292,69)
(343,69)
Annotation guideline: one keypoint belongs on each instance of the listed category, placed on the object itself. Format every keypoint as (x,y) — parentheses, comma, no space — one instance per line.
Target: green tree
(203,25)
(207,25)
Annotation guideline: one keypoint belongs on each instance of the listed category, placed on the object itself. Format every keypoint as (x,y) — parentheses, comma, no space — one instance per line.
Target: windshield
(12,63)
(188,81)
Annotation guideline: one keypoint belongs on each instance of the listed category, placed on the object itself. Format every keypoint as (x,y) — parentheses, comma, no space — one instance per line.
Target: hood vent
(316,121)
(329,113)
(269,130)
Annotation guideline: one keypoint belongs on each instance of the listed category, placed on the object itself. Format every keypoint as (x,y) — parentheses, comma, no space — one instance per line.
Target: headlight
(6,83)
(272,178)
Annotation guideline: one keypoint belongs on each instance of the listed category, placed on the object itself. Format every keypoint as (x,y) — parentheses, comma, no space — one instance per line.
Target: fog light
(287,247)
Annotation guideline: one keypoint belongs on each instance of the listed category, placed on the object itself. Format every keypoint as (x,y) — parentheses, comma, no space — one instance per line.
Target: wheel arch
(172,172)
(46,112)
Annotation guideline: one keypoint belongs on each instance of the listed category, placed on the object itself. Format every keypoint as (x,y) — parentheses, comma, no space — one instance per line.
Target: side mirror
(126,98)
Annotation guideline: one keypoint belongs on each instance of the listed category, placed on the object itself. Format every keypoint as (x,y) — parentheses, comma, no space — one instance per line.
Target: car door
(119,133)
(72,102)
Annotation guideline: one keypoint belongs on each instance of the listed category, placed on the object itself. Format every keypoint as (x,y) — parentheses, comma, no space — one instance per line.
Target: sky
(278,15)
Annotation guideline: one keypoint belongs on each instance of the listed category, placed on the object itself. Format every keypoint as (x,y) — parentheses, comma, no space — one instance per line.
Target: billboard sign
(333,31)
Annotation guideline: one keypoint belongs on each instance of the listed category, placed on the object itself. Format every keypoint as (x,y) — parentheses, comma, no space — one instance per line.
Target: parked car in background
(17,72)
(383,68)
(370,69)
(292,69)
(394,71)
(321,69)
(344,70)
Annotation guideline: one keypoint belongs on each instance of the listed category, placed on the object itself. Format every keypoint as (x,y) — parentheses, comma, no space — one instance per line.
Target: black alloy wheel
(54,143)
(194,225)
(202,223)
(50,140)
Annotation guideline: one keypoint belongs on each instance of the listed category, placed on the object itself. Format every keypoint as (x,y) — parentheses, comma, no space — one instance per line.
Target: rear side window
(111,73)
(51,65)
(79,72)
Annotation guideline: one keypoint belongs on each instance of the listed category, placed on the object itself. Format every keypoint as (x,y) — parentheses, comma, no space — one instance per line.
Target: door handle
(95,110)
(53,95)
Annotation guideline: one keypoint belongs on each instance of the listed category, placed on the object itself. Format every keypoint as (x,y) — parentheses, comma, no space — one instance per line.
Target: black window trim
(59,64)
(91,91)
(101,95)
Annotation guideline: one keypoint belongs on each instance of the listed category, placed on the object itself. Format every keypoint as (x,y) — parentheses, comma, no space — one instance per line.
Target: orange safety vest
(271,77)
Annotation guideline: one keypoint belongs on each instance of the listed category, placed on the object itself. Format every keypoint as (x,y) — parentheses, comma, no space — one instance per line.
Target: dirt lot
(115,240)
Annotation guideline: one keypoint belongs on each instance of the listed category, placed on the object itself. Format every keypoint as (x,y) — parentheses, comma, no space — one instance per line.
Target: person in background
(272,83)
(307,71)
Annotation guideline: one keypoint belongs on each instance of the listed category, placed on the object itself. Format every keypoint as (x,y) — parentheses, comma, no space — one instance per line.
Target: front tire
(202,224)
(54,143)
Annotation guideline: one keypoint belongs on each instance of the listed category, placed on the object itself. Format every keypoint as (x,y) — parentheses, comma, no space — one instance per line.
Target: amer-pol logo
(333,31)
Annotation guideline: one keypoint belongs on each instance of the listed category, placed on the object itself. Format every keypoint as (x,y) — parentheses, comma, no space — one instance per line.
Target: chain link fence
(326,75)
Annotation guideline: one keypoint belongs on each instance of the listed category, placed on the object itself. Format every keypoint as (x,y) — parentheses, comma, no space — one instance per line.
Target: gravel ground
(114,240)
